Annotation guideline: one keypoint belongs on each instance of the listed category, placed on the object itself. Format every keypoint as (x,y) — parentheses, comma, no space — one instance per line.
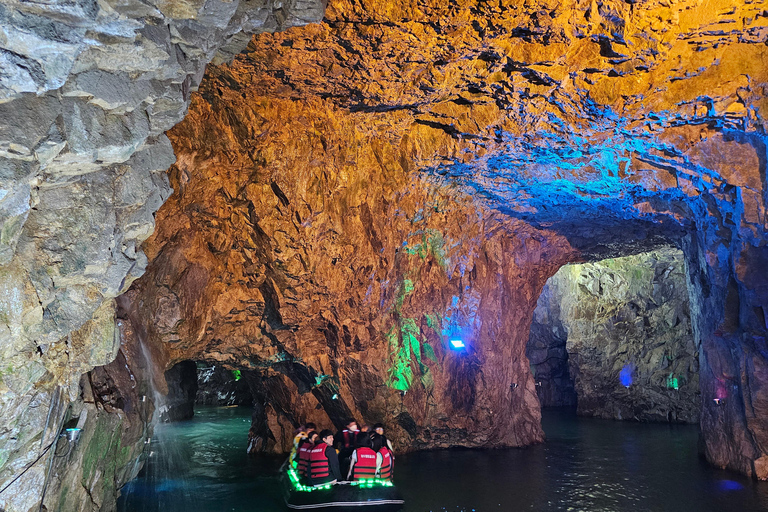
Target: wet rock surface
(625,325)
(353,192)
(179,403)
(218,386)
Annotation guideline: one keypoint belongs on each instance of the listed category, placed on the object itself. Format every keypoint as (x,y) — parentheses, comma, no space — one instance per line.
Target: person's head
(365,428)
(326,436)
(379,429)
(377,441)
(364,441)
(313,437)
(351,425)
(309,427)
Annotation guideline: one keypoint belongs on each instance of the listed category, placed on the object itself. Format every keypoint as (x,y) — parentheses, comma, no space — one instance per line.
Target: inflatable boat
(372,495)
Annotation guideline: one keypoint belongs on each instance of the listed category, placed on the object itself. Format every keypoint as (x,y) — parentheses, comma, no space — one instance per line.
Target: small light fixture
(513,385)
(538,384)
(143,398)
(73,434)
(457,344)
(716,400)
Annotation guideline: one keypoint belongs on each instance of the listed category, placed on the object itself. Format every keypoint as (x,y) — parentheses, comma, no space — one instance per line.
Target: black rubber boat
(362,496)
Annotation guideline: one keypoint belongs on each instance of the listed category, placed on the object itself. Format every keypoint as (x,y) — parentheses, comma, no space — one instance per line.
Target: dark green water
(586,465)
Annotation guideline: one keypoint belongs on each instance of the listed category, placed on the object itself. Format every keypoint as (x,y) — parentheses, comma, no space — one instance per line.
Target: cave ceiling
(620,124)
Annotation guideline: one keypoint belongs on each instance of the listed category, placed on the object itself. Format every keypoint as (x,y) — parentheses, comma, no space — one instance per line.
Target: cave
(356,206)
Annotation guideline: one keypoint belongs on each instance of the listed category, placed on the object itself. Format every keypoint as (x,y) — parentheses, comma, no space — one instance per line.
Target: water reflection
(586,464)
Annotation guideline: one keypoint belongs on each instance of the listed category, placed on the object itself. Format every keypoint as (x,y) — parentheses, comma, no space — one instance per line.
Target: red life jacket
(319,472)
(348,438)
(305,447)
(365,467)
(387,463)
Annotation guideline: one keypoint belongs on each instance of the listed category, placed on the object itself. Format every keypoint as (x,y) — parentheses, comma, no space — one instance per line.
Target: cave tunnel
(399,212)
(613,339)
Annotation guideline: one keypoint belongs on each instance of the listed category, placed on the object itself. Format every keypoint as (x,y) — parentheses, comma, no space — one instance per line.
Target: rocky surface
(218,386)
(497,141)
(87,90)
(626,327)
(179,403)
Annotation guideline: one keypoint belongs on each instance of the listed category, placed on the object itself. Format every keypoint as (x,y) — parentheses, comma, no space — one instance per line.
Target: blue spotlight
(457,344)
(625,376)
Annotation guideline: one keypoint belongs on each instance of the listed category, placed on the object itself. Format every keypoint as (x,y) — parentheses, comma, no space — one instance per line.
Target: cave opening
(614,339)
(202,383)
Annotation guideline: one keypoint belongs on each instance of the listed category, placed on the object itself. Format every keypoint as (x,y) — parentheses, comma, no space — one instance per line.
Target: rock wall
(179,403)
(630,346)
(546,349)
(218,386)
(87,90)
(617,126)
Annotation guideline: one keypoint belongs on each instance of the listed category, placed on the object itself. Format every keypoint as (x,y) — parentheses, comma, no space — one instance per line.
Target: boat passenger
(387,465)
(323,461)
(364,462)
(346,440)
(305,447)
(378,428)
(300,435)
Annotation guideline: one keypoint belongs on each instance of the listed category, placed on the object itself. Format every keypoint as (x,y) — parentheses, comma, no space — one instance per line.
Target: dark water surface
(586,465)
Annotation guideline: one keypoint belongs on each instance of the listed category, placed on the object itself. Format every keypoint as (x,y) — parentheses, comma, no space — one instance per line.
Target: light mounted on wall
(73,434)
(457,344)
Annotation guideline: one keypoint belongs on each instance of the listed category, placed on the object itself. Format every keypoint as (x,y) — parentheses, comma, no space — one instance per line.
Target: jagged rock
(498,141)
(584,128)
(179,403)
(625,325)
(87,90)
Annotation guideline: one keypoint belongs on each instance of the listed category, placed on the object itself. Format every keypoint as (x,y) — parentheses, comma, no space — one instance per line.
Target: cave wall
(626,327)
(615,125)
(217,385)
(87,90)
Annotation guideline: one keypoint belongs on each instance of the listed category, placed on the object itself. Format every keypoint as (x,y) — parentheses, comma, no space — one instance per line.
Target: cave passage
(615,337)
(194,383)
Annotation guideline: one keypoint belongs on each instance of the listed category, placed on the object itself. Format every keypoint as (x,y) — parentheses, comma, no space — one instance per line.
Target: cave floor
(586,464)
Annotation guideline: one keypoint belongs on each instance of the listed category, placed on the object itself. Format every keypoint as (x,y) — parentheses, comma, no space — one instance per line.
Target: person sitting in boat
(387,464)
(323,461)
(364,462)
(346,440)
(378,428)
(305,447)
(301,436)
